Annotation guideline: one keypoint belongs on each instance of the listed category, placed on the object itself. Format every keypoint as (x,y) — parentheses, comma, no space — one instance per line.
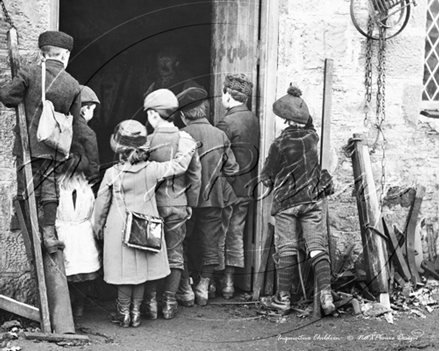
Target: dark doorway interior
(115,46)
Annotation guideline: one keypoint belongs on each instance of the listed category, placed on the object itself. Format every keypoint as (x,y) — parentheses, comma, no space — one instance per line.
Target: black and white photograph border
(368,74)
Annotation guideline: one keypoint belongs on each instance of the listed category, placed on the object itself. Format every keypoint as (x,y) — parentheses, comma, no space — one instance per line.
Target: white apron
(74,226)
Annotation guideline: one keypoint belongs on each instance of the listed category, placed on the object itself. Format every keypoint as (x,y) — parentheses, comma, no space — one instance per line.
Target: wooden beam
(268,60)
(57,337)
(259,276)
(33,217)
(372,231)
(19,308)
(325,159)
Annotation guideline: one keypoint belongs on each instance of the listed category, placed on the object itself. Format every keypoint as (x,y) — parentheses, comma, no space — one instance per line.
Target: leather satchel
(54,128)
(143,232)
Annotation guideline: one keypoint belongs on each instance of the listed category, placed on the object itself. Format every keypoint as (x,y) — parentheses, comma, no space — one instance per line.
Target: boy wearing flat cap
(242,128)
(175,196)
(218,162)
(64,92)
(293,171)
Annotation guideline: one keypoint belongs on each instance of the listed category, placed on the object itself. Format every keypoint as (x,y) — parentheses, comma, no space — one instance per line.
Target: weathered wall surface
(311,31)
(30,18)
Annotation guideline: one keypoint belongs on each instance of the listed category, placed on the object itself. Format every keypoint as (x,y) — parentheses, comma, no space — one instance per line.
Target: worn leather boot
(185,293)
(136,313)
(122,316)
(201,291)
(327,301)
(149,306)
(228,286)
(169,305)
(279,303)
(50,240)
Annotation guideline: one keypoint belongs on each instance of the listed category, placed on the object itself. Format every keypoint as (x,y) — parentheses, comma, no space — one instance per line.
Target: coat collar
(203,120)
(239,108)
(54,63)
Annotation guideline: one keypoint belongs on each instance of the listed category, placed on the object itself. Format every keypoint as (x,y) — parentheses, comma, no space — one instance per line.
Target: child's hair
(196,112)
(52,51)
(236,95)
(134,155)
(167,114)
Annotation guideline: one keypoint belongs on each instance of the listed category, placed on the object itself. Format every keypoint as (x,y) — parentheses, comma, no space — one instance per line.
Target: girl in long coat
(131,184)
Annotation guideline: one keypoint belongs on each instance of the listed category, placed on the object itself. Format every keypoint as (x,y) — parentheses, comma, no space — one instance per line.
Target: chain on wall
(6,13)
(380,95)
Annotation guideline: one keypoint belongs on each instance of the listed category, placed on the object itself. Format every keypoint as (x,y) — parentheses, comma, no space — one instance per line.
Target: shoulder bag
(54,128)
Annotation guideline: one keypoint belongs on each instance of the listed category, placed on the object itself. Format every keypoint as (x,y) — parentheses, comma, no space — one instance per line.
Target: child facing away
(74,215)
(175,197)
(130,185)
(64,92)
(293,171)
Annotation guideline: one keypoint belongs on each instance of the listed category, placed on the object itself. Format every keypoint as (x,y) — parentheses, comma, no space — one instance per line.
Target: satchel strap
(43,79)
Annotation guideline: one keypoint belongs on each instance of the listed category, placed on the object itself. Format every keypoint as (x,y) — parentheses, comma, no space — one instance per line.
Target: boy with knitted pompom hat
(64,92)
(293,171)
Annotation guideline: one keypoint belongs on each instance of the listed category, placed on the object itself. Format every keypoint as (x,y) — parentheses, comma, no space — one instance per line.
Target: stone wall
(30,18)
(311,31)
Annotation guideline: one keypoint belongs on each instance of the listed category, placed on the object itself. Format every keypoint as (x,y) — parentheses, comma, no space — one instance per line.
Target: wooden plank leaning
(372,231)
(30,197)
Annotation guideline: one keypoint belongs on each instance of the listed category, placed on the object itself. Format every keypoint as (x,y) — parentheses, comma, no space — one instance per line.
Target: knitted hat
(292,107)
(88,95)
(161,99)
(239,82)
(190,98)
(129,134)
(55,38)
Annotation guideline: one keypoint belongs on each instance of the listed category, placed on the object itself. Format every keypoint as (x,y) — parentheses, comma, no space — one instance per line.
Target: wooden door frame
(266,95)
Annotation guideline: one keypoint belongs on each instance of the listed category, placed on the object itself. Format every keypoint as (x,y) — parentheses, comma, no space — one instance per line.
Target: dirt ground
(221,326)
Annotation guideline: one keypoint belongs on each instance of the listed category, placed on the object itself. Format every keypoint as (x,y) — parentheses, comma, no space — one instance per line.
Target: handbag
(54,128)
(143,232)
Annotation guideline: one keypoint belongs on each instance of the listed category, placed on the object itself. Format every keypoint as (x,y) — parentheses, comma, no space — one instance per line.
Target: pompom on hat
(190,98)
(161,99)
(129,134)
(88,95)
(292,107)
(239,82)
(56,38)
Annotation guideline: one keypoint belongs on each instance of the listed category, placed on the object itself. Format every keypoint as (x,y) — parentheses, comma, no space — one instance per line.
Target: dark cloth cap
(55,38)
(292,107)
(239,82)
(190,98)
(88,95)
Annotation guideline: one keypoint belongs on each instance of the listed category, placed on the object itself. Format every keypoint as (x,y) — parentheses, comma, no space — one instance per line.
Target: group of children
(199,179)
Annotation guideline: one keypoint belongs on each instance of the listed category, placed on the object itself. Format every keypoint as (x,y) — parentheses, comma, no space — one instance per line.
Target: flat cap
(191,97)
(161,99)
(88,95)
(56,38)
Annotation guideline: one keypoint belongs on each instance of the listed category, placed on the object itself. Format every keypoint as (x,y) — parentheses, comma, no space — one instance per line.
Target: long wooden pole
(372,231)
(30,196)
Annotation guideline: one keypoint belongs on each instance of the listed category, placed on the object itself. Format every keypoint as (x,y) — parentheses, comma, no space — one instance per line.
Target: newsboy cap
(88,95)
(239,82)
(191,97)
(56,38)
(161,99)
(292,106)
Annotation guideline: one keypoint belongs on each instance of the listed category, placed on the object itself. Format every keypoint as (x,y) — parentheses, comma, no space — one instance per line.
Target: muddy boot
(149,306)
(327,302)
(50,240)
(136,313)
(201,291)
(169,305)
(122,316)
(228,286)
(185,294)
